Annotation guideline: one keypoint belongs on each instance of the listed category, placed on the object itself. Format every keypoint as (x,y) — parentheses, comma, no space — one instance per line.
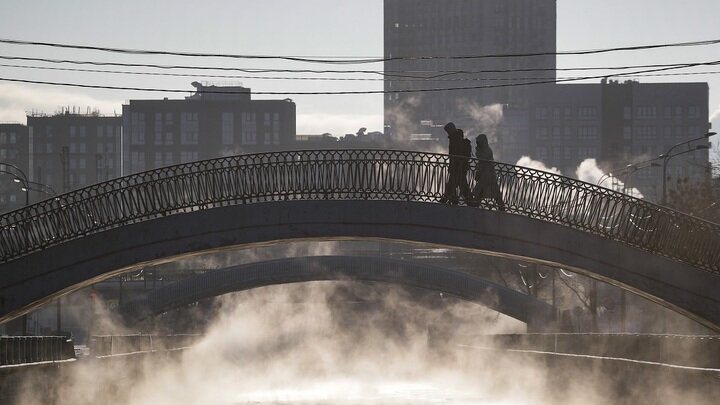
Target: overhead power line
(291,78)
(410,74)
(288,93)
(349,60)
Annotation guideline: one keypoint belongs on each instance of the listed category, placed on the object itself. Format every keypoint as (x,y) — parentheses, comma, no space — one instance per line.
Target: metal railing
(353,175)
(113,345)
(34,349)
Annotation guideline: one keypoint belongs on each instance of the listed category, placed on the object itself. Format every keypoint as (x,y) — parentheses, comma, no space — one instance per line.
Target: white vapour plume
(527,161)
(402,121)
(486,118)
(589,171)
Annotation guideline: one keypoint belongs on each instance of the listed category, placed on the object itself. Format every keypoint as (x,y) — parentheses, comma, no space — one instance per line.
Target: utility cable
(550,81)
(336,60)
(288,78)
(387,73)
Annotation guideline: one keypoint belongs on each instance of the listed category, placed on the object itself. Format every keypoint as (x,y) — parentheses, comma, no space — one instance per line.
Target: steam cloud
(590,172)
(335,343)
(527,161)
(487,118)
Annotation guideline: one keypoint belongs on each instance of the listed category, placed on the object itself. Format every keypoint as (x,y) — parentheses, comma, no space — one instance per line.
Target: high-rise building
(70,150)
(216,121)
(453,33)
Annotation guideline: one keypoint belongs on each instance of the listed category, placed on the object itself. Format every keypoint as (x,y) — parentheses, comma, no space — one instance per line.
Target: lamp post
(669,155)
(629,169)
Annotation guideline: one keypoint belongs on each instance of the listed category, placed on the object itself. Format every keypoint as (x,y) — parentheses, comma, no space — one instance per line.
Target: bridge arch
(537,314)
(56,246)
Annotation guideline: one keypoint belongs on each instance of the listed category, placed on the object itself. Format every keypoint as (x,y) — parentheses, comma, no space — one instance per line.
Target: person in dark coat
(453,146)
(465,150)
(486,185)
(458,165)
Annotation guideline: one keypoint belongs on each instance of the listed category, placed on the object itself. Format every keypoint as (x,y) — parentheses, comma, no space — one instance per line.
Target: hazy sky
(307,27)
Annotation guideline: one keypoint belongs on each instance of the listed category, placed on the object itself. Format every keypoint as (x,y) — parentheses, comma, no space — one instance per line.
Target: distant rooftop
(207,91)
(71,111)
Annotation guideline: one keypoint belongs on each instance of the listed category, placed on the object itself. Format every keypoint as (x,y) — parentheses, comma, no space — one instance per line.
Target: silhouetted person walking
(458,165)
(464,166)
(486,185)
(453,146)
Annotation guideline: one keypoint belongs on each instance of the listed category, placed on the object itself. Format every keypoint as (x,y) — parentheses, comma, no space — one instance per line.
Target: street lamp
(17,178)
(629,169)
(668,155)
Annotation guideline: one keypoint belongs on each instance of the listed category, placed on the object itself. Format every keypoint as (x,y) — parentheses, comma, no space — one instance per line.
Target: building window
(168,158)
(188,156)
(73,131)
(693,112)
(82,132)
(189,128)
(645,132)
(110,148)
(138,128)
(267,128)
(82,163)
(48,148)
(647,112)
(587,133)
(587,113)
(100,131)
(227,128)
(158,129)
(276,129)
(13,138)
(249,129)
(3,138)
(99,148)
(627,113)
(158,159)
(585,152)
(169,139)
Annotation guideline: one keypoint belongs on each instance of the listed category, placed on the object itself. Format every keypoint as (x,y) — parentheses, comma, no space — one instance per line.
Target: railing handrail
(549,196)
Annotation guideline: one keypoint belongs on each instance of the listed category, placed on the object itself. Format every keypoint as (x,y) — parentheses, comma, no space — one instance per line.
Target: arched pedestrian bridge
(58,245)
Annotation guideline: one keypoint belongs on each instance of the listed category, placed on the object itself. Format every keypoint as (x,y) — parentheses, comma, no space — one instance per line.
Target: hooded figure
(486,185)
(458,165)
